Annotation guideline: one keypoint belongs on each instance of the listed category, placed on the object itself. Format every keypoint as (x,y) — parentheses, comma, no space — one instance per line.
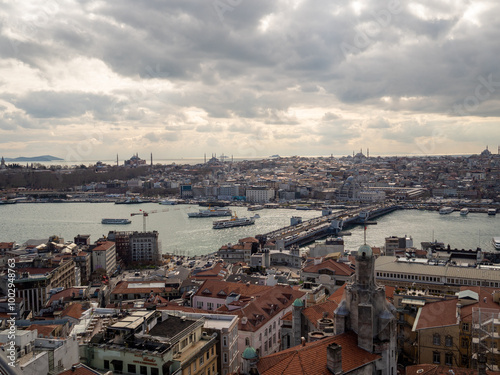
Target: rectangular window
(224,340)
(449,341)
(448,359)
(144,370)
(436,357)
(465,360)
(106,364)
(202,360)
(436,339)
(465,327)
(465,342)
(131,368)
(225,357)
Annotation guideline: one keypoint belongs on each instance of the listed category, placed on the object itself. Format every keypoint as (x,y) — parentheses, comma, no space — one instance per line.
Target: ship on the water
(464,211)
(492,211)
(235,221)
(496,242)
(133,200)
(446,210)
(211,212)
(115,221)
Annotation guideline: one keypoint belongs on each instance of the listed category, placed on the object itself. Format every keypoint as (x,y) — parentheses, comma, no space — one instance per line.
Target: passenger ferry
(211,212)
(446,210)
(115,221)
(235,221)
(492,211)
(496,242)
(464,211)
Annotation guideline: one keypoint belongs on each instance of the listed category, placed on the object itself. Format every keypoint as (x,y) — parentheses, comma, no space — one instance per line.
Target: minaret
(117,160)
(151,161)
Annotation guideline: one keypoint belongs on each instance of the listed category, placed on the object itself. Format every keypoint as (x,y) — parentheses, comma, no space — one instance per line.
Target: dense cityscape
(292,300)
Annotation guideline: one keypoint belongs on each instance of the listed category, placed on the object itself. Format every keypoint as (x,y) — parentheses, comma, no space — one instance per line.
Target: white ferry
(115,221)
(446,210)
(234,222)
(492,211)
(464,211)
(211,212)
(496,242)
(169,202)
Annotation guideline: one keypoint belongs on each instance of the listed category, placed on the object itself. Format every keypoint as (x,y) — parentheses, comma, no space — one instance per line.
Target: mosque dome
(298,303)
(366,249)
(249,353)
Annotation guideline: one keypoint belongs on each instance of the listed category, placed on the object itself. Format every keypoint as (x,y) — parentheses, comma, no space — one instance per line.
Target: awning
(408,301)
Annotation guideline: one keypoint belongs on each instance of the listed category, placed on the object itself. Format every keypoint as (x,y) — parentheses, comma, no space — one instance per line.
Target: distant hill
(33,158)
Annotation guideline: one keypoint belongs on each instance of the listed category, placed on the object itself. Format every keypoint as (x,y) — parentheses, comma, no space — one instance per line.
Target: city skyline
(181,79)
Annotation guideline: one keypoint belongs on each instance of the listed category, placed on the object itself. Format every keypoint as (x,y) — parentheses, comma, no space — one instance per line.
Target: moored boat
(496,242)
(446,210)
(464,211)
(211,212)
(492,211)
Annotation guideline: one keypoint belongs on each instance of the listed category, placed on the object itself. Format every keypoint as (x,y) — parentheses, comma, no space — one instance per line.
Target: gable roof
(341,269)
(310,359)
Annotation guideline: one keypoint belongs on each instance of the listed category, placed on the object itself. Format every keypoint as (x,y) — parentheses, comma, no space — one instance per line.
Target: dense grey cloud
(315,75)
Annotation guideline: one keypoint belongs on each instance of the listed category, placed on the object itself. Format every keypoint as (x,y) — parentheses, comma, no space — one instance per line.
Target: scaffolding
(485,338)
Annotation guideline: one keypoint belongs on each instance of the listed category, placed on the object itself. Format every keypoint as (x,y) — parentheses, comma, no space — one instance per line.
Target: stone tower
(365,310)
(297,307)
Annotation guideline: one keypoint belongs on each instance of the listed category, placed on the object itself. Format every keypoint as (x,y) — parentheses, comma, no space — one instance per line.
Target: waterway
(195,236)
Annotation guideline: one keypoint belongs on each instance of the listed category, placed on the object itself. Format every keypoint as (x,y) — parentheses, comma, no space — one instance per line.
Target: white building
(259,194)
(104,257)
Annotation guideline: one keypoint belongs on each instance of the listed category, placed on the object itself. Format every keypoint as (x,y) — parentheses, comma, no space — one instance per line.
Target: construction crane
(145,215)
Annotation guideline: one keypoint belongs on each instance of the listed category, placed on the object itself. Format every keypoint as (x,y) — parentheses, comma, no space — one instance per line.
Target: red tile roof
(45,330)
(103,246)
(319,311)
(329,264)
(310,359)
(75,310)
(80,369)
(216,272)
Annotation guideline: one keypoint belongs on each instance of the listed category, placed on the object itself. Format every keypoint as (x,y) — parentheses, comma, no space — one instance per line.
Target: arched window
(448,341)
(247,342)
(436,339)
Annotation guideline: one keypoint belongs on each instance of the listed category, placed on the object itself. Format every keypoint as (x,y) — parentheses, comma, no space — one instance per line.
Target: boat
(211,212)
(168,202)
(496,242)
(133,200)
(235,221)
(464,211)
(446,210)
(492,211)
(255,208)
(115,221)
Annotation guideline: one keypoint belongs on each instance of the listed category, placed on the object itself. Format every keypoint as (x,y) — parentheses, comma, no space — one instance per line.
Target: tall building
(144,248)
(366,311)
(104,257)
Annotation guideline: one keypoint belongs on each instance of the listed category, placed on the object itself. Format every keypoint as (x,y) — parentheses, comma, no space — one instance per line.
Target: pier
(318,228)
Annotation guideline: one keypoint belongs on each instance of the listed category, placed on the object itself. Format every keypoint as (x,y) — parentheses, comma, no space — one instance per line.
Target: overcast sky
(87,79)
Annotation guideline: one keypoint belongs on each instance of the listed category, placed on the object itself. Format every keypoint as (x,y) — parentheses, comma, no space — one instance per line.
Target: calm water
(181,235)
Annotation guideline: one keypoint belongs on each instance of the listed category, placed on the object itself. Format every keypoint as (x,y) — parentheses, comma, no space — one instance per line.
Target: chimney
(303,341)
(334,358)
(459,312)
